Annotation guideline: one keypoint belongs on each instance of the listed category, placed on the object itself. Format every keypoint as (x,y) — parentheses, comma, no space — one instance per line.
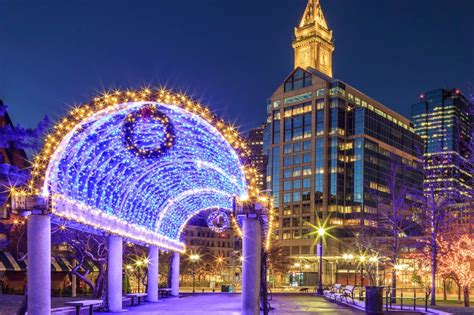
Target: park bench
(347,292)
(138,296)
(164,292)
(85,303)
(335,289)
(305,290)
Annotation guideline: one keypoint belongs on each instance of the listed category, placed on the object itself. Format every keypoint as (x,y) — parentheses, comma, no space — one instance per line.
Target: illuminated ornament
(218,221)
(140,129)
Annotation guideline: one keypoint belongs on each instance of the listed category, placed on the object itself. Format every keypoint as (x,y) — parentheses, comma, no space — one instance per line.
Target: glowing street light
(194,258)
(321,231)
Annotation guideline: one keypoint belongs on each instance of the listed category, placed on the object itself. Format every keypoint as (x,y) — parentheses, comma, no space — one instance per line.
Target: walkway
(229,304)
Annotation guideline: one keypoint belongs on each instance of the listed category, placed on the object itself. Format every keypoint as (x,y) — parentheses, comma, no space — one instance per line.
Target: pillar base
(114,273)
(251,269)
(39,264)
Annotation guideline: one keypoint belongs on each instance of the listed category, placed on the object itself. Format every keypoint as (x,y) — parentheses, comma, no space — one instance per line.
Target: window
(307,145)
(287,148)
(296,196)
(319,122)
(286,185)
(299,79)
(286,197)
(306,170)
(297,171)
(287,161)
(297,147)
(306,157)
(307,183)
(306,195)
(297,159)
(297,184)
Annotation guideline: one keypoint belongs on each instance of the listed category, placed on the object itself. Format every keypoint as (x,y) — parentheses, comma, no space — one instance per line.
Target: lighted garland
(218,221)
(146,114)
(106,103)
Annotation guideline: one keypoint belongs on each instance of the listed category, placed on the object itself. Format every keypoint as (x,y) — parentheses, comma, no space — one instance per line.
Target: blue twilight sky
(230,54)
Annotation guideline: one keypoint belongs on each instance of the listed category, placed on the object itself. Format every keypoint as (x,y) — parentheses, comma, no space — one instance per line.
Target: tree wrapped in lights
(457,261)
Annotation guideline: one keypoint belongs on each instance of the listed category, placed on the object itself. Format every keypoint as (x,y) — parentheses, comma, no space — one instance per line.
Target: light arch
(144,184)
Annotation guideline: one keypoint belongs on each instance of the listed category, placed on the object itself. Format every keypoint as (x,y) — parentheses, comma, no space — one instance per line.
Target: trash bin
(374,300)
(225,288)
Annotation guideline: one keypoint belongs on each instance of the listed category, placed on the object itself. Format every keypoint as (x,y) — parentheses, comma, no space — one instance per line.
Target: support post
(73,286)
(39,264)
(153,263)
(252,242)
(175,275)
(74,281)
(114,273)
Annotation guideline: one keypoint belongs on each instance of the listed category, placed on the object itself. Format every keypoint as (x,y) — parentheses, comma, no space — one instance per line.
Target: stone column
(175,275)
(39,264)
(153,263)
(73,285)
(114,273)
(251,252)
(74,281)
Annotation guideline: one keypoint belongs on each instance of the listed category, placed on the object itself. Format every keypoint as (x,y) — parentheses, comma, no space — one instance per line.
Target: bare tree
(83,248)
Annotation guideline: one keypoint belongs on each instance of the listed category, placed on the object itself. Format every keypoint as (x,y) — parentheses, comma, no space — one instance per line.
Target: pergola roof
(142,169)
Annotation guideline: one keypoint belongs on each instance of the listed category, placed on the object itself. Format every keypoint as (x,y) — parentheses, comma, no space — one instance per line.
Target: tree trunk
(445,294)
(459,293)
(434,267)
(394,285)
(466,296)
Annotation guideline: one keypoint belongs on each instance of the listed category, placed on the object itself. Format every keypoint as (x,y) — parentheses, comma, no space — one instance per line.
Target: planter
(374,300)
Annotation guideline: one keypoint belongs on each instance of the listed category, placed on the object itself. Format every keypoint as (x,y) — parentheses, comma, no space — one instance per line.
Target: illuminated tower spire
(313,42)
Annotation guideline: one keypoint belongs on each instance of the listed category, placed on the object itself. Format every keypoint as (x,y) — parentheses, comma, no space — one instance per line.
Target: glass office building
(330,149)
(443,118)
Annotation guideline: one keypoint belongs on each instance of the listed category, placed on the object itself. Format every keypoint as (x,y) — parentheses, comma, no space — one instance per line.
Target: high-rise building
(257,157)
(444,120)
(330,148)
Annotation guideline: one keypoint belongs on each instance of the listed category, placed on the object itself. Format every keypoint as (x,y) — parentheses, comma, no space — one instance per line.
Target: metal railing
(407,297)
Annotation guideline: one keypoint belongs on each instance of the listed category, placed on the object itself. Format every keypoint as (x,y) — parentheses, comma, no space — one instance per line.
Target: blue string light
(142,170)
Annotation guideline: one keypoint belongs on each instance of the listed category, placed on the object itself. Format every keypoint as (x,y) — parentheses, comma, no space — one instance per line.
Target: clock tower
(313,42)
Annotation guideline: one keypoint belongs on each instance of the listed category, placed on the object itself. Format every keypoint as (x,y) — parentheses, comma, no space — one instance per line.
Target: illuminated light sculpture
(141,164)
(137,165)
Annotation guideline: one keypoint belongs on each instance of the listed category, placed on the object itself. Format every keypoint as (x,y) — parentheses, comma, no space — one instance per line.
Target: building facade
(257,157)
(330,150)
(444,120)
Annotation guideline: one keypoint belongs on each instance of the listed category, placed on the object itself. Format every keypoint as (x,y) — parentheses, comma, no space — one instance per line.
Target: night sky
(230,54)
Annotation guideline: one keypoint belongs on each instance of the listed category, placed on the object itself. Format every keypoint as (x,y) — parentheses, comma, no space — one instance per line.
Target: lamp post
(194,258)
(321,233)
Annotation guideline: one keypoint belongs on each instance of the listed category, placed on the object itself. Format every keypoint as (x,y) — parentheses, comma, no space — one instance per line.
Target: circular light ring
(218,221)
(146,114)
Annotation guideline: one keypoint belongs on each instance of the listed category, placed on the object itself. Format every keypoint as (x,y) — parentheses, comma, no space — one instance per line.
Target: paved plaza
(228,304)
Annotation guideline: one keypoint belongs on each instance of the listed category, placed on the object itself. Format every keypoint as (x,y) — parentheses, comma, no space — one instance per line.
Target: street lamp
(321,234)
(194,258)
